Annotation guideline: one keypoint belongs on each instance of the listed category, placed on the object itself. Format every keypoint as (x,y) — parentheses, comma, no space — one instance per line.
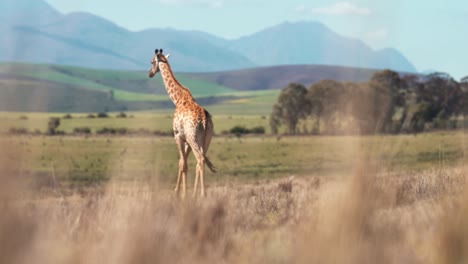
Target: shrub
(82,130)
(52,125)
(102,115)
(91,116)
(67,116)
(18,130)
(239,130)
(105,130)
(112,131)
(121,131)
(121,115)
(258,130)
(23,117)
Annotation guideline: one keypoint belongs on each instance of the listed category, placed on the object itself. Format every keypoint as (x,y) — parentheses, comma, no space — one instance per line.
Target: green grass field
(83,158)
(160,121)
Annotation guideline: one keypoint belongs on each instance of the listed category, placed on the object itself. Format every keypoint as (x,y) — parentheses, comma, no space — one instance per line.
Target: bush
(52,125)
(112,131)
(240,130)
(91,116)
(121,115)
(18,130)
(102,115)
(258,130)
(23,117)
(67,116)
(82,130)
(121,131)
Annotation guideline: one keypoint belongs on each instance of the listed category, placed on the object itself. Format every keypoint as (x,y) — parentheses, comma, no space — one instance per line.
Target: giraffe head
(157,59)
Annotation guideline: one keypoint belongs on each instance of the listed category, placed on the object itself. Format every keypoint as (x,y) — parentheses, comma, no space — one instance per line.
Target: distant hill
(278,77)
(32,31)
(33,87)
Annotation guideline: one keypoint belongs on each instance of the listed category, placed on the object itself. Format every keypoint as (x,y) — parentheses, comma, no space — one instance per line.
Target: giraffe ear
(167,56)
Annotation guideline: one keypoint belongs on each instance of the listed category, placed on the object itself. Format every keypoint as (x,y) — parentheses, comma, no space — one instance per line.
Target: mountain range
(34,32)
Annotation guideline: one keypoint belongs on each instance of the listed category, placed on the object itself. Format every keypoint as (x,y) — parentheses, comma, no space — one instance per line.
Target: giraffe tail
(210,165)
(207,161)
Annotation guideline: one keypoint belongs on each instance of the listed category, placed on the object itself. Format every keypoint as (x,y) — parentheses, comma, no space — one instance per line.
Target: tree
(464,79)
(374,104)
(387,78)
(327,99)
(292,106)
(52,125)
(275,119)
(386,95)
(439,98)
(436,99)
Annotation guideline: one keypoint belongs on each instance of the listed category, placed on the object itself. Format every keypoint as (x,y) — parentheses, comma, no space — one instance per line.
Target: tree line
(388,103)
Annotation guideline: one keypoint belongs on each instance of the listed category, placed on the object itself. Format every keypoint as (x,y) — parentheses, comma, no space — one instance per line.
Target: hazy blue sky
(431,34)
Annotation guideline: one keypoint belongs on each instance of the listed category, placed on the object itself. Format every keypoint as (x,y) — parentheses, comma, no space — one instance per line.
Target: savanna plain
(305,199)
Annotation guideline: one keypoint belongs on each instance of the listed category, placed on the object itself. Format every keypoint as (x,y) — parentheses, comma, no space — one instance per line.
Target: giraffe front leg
(176,190)
(181,176)
(184,178)
(202,178)
(196,182)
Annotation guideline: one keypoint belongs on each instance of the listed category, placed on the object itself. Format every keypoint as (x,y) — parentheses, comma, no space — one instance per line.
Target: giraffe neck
(177,92)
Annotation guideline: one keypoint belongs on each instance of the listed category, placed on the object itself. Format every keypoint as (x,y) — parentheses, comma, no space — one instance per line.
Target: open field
(141,155)
(80,159)
(152,121)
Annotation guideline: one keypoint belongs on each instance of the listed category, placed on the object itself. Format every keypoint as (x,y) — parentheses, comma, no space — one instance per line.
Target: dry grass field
(372,210)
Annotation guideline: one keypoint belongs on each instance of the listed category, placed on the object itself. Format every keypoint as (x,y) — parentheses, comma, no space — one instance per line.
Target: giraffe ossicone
(192,125)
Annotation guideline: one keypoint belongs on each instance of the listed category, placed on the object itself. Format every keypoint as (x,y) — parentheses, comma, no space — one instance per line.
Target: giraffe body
(192,125)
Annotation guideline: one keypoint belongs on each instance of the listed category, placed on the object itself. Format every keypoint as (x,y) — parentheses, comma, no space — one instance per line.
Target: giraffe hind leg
(200,176)
(199,171)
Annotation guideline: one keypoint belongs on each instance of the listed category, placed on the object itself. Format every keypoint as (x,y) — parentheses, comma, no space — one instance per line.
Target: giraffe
(192,125)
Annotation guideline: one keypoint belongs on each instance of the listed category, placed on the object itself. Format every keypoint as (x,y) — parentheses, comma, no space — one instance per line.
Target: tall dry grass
(366,216)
